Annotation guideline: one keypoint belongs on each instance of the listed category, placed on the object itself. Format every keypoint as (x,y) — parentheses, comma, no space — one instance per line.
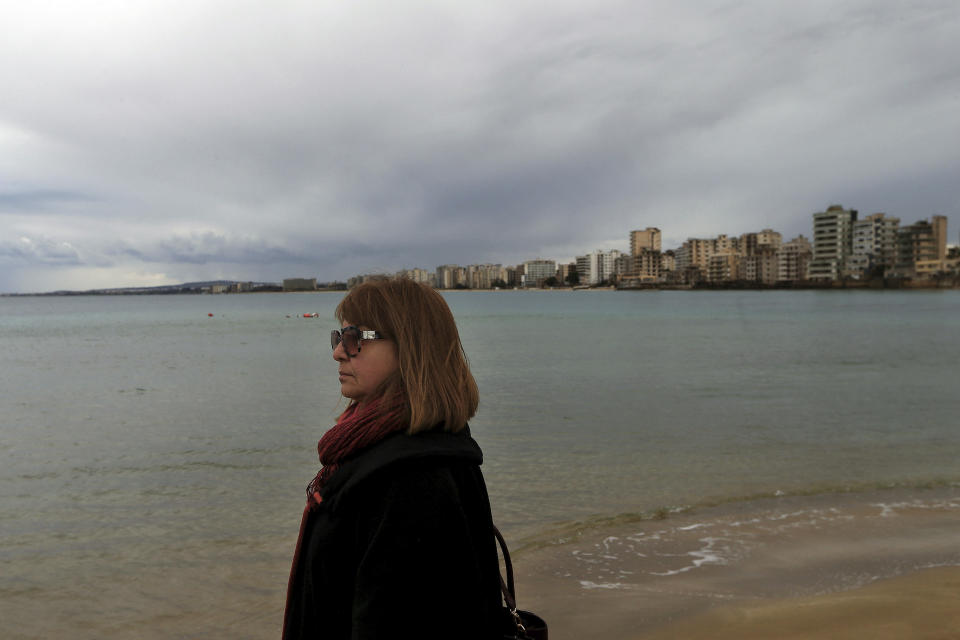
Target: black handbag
(518,624)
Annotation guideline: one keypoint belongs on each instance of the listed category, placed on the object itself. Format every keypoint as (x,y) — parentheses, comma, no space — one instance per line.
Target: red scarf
(356,430)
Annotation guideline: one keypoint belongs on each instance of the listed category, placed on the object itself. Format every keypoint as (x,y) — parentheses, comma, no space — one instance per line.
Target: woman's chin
(351,394)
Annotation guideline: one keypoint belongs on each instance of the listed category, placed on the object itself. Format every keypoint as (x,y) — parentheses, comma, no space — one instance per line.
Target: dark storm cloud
(334,138)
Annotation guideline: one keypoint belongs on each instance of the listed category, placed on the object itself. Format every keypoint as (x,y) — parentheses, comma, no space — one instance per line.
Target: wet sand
(923,605)
(873,565)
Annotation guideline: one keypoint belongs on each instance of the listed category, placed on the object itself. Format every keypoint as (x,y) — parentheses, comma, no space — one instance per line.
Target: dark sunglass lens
(334,339)
(351,342)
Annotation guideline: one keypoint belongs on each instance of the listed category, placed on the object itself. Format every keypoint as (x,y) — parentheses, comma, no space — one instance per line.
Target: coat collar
(400,447)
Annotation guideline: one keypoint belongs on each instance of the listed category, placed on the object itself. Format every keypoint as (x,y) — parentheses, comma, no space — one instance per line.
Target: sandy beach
(882,564)
(922,605)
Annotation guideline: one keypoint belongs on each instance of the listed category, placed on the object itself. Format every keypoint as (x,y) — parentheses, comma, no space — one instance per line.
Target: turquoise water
(141,437)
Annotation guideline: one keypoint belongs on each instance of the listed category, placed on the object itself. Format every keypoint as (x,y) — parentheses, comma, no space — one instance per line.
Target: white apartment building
(597,266)
(832,243)
(536,271)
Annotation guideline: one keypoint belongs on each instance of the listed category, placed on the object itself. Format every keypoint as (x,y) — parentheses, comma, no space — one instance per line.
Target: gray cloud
(205,248)
(328,139)
(38,251)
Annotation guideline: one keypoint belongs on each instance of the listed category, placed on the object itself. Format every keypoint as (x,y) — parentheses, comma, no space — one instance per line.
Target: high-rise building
(724,267)
(644,262)
(417,275)
(832,242)
(668,261)
(750,243)
(874,244)
(648,238)
(921,241)
(451,275)
(597,266)
(647,265)
(695,252)
(514,275)
(537,271)
(482,276)
(793,259)
(564,270)
(761,265)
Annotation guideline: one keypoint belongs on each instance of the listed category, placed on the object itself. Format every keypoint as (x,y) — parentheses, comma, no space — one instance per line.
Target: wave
(561,533)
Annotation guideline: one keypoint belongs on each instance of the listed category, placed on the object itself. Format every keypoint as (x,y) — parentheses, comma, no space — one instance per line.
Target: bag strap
(510,594)
(508,588)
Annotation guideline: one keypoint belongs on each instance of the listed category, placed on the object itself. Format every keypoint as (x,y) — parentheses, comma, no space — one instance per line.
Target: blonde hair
(433,377)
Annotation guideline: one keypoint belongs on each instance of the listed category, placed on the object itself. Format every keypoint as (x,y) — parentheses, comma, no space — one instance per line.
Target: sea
(154,450)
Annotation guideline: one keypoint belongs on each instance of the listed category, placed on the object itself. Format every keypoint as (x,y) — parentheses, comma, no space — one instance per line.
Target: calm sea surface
(151,454)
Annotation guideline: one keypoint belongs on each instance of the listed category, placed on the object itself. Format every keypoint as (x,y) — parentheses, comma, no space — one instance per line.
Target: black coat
(400,547)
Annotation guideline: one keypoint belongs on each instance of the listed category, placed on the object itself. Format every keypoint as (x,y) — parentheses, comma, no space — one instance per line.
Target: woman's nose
(339,353)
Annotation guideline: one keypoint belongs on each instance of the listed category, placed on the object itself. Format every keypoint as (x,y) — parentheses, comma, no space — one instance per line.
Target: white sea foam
(589,584)
(742,523)
(890,509)
(886,510)
(708,554)
(784,516)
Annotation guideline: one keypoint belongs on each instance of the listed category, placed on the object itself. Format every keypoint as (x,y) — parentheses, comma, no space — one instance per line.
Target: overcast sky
(157,142)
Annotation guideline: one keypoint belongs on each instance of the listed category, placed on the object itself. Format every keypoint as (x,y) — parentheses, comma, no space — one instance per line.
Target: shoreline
(787,564)
(859,285)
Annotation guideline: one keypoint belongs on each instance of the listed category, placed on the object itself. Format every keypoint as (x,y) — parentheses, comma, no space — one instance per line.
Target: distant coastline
(207,288)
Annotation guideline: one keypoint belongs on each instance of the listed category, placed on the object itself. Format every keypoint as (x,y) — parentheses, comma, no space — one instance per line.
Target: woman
(396,539)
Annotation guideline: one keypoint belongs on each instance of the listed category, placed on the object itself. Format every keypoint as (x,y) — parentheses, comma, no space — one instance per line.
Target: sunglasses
(351,338)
